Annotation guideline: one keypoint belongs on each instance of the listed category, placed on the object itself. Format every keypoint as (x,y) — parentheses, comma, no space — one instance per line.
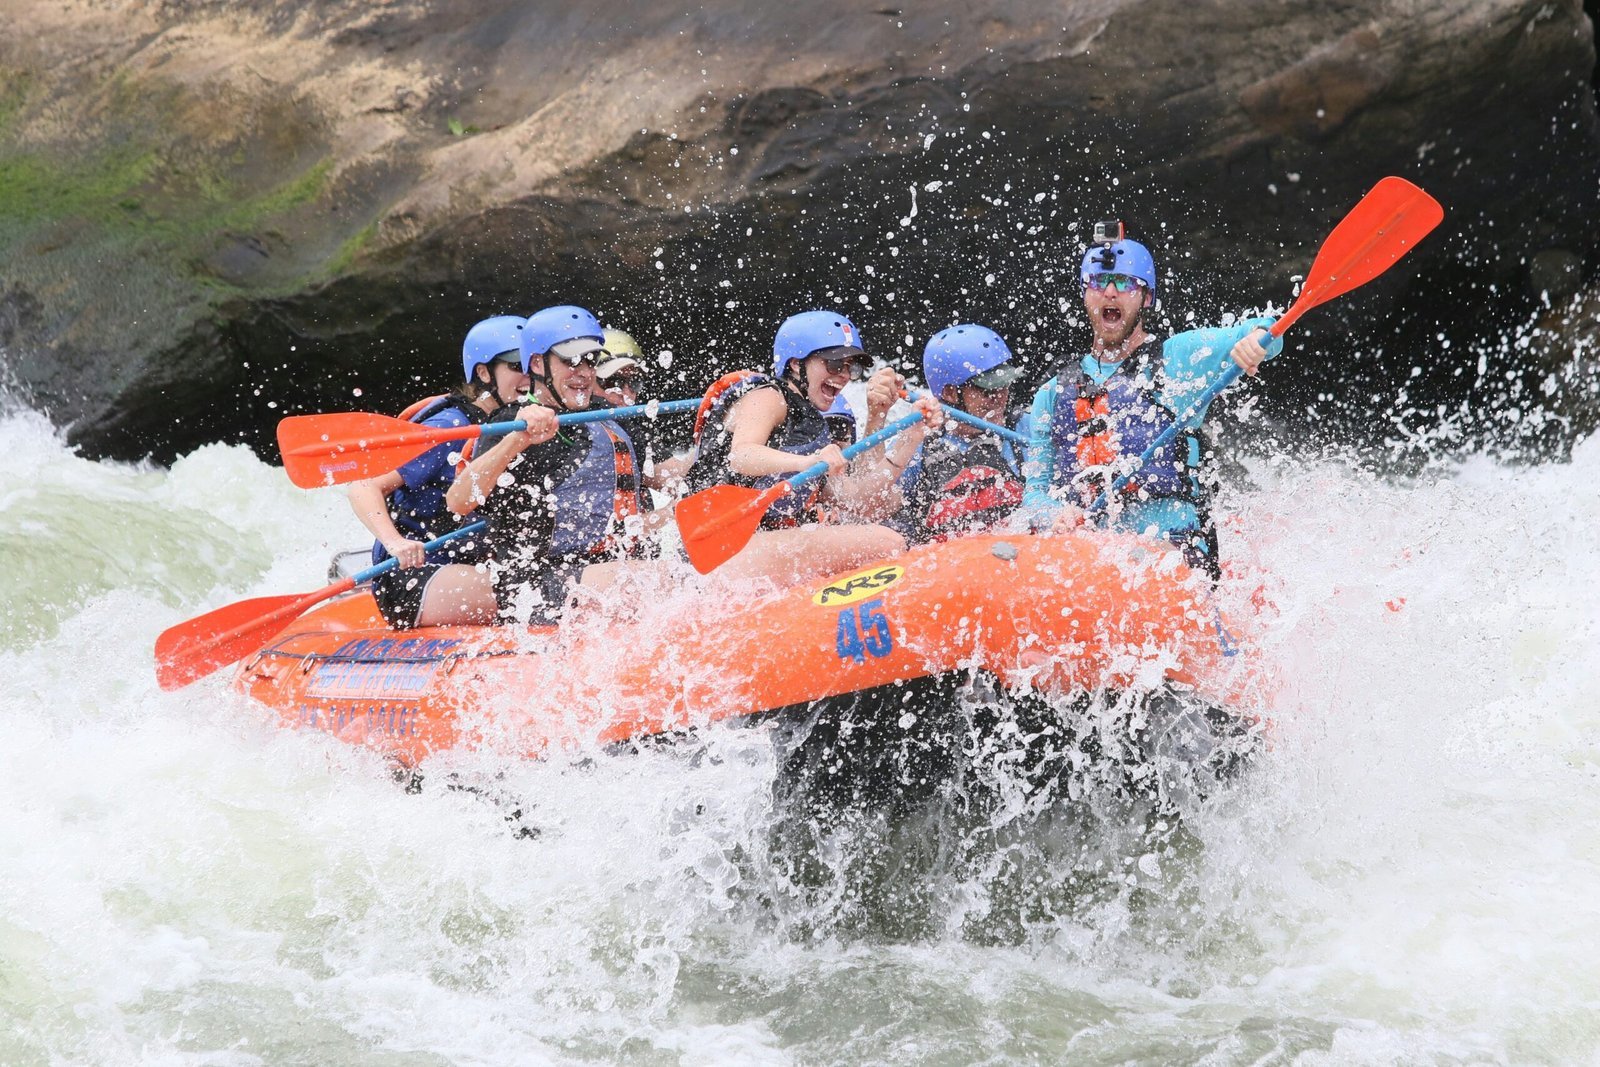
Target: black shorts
(399,593)
(534,595)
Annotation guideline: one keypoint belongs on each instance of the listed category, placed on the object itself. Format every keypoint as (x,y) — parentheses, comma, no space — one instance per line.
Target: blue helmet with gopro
(1112,253)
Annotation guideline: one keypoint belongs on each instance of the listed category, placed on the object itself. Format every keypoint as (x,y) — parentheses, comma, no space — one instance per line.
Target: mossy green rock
(213,214)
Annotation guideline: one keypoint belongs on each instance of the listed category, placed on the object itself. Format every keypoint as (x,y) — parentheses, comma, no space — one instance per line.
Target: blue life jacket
(594,501)
(803,432)
(1099,432)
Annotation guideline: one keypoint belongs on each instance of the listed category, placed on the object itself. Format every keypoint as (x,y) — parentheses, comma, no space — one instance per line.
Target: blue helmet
(491,338)
(965,352)
(548,328)
(1124,257)
(841,420)
(812,331)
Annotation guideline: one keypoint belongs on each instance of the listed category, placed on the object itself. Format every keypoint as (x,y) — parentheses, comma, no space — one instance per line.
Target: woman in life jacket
(406,507)
(562,503)
(760,429)
(965,480)
(1092,421)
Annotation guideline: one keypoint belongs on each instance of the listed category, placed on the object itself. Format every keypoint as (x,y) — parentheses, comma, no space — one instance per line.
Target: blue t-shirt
(417,506)
(1191,362)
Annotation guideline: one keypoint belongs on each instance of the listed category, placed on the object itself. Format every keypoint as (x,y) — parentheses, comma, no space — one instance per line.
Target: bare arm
(473,485)
(750,423)
(370,501)
(871,490)
(667,475)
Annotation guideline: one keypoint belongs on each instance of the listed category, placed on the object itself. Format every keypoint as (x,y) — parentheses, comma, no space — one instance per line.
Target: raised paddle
(349,446)
(716,523)
(1385,225)
(193,649)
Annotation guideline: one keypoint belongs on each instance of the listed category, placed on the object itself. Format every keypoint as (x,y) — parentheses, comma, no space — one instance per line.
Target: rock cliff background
(216,213)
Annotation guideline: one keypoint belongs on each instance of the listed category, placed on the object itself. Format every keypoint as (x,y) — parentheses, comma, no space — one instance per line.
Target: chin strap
(491,382)
(550,386)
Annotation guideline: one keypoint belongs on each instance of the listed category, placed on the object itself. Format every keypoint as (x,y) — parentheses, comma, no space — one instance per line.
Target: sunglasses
(623,381)
(1122,283)
(591,358)
(510,359)
(858,366)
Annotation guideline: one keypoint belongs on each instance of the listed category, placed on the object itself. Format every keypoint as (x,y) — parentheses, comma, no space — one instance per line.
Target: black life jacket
(803,432)
(962,492)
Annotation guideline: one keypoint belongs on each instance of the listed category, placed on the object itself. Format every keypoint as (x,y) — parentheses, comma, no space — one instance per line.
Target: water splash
(1403,874)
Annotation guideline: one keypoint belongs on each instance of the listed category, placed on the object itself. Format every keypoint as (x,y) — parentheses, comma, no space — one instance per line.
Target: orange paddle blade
(716,523)
(349,446)
(191,650)
(1385,225)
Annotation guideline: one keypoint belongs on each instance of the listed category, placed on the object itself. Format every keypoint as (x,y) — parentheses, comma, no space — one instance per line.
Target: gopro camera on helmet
(1108,232)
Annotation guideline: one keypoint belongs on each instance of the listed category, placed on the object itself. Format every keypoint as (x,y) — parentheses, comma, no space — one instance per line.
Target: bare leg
(458,595)
(602,576)
(783,556)
(790,556)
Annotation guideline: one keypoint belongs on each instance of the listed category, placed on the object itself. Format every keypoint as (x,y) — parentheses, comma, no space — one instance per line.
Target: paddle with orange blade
(351,446)
(717,522)
(191,650)
(1385,225)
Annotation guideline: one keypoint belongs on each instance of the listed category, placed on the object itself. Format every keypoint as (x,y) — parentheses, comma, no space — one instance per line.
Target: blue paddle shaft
(391,563)
(972,420)
(572,418)
(817,470)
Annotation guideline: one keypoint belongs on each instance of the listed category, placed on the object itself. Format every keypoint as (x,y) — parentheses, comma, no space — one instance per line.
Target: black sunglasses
(593,359)
(857,365)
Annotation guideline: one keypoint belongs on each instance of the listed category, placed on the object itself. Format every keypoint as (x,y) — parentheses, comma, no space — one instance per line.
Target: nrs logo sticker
(858,586)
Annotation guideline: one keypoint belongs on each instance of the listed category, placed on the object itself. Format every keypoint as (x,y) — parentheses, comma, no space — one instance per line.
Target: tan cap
(621,343)
(616,364)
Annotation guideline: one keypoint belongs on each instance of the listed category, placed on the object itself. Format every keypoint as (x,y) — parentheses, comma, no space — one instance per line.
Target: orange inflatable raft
(1042,615)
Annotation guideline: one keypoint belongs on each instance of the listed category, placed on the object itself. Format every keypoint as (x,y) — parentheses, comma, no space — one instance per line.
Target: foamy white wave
(1407,875)
(218,525)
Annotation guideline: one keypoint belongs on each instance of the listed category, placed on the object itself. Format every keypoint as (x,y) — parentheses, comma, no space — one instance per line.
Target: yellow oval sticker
(858,586)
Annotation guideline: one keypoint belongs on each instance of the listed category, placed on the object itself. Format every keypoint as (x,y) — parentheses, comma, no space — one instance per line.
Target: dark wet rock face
(214,214)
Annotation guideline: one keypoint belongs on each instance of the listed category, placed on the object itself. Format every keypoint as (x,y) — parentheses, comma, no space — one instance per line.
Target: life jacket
(605,473)
(624,537)
(429,406)
(715,400)
(561,505)
(963,492)
(803,432)
(1098,433)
